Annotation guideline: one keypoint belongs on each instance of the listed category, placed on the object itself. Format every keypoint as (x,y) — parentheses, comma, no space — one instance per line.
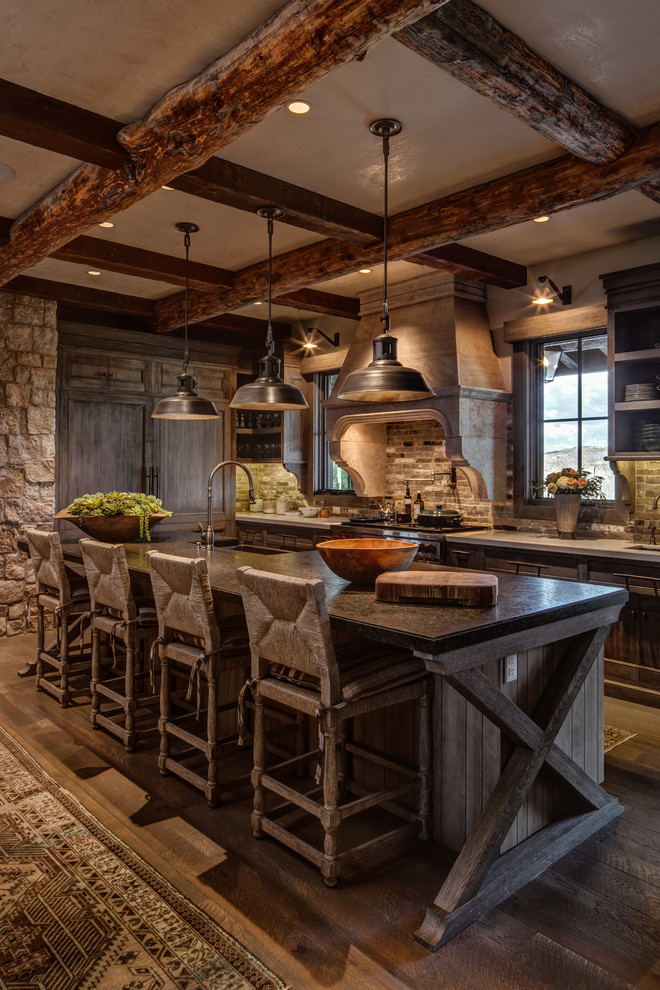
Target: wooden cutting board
(437,588)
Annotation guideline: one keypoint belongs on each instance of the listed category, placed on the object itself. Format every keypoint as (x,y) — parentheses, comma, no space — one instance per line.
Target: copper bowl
(111,529)
(361,561)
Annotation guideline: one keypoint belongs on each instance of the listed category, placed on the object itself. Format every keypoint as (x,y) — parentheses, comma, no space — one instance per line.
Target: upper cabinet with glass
(633,302)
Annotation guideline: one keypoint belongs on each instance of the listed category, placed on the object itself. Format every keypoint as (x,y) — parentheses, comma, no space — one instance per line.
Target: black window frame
(528,373)
(322,462)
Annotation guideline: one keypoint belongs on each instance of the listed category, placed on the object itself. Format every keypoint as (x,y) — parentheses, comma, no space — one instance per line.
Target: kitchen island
(517,765)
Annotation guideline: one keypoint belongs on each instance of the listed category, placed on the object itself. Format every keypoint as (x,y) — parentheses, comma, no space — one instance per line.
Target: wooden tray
(437,588)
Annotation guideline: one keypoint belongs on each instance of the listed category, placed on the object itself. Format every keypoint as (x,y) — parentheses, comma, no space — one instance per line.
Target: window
(567,409)
(328,476)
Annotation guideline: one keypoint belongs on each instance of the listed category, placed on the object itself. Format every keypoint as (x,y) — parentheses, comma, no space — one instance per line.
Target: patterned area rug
(80,911)
(614,737)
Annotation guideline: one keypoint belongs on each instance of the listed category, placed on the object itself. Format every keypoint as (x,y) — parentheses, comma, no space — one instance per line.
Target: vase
(567,510)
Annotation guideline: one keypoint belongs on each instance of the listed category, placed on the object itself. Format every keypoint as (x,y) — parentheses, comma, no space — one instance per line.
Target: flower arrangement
(568,481)
(119,504)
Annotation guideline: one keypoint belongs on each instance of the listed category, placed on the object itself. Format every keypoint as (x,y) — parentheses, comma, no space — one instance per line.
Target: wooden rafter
(477,265)
(328,303)
(81,295)
(557,185)
(45,122)
(477,50)
(299,45)
(233,185)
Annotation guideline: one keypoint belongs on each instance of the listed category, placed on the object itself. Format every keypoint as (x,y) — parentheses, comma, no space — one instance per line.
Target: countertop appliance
(431,540)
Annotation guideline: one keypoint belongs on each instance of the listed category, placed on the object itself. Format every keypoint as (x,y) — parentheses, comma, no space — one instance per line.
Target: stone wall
(28,359)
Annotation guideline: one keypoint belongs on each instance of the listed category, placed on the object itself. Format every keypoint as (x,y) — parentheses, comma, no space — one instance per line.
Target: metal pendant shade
(185,403)
(269,390)
(385,379)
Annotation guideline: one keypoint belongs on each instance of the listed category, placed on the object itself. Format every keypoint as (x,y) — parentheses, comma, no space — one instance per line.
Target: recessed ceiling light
(106,223)
(364,271)
(169,188)
(298,106)
(93,273)
(6,172)
(543,219)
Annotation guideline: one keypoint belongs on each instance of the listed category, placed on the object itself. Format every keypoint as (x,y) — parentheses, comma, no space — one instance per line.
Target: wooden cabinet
(106,439)
(632,649)
(633,301)
(281,536)
(514,561)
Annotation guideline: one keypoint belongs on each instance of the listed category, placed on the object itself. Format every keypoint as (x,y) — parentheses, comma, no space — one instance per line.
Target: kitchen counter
(590,546)
(546,724)
(273,517)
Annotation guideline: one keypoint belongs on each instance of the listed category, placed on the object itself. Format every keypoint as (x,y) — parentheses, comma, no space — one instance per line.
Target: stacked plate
(637,393)
(646,436)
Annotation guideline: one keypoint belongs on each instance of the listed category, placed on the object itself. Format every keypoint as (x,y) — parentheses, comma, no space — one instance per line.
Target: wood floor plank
(579,926)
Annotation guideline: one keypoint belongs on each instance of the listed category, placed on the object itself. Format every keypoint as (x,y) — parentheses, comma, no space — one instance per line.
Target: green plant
(569,481)
(119,504)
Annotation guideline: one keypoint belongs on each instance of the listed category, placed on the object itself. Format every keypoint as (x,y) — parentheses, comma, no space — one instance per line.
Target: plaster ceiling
(118,58)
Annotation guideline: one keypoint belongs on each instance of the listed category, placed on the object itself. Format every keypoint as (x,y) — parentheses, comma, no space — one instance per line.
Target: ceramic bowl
(361,561)
(310,511)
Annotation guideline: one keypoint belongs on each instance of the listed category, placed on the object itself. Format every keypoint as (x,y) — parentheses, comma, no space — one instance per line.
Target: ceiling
(118,60)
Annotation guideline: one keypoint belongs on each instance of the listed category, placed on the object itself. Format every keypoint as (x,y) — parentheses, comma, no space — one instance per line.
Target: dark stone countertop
(524,603)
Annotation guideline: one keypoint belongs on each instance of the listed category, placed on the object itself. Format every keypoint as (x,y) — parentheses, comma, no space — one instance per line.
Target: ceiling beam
(652,190)
(296,47)
(143,264)
(243,188)
(45,122)
(247,325)
(548,188)
(328,303)
(80,295)
(477,265)
(474,48)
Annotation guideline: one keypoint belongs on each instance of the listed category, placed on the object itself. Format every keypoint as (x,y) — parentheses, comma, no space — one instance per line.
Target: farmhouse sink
(223,543)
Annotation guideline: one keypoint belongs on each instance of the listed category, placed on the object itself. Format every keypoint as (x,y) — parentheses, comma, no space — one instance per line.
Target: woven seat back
(288,623)
(108,578)
(48,563)
(183,598)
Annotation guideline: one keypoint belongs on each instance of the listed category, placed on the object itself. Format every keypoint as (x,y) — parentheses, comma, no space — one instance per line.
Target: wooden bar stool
(295,663)
(62,591)
(195,649)
(129,627)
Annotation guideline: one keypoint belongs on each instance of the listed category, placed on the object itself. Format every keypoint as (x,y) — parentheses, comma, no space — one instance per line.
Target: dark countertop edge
(346,603)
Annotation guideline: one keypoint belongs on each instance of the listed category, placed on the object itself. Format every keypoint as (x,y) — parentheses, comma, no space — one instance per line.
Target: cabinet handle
(155,482)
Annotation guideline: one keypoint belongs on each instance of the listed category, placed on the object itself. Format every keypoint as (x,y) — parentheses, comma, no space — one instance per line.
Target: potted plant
(568,487)
(115,516)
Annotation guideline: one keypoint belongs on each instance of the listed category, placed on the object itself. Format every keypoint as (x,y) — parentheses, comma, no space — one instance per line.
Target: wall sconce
(565,296)
(310,343)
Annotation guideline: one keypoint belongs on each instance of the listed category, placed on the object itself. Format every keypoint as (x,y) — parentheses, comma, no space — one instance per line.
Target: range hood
(441,322)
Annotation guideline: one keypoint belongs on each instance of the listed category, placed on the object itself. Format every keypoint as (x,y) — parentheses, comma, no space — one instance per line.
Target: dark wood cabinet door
(184,454)
(102,444)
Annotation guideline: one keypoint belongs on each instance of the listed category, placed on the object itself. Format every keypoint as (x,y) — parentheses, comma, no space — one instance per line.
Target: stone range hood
(443,330)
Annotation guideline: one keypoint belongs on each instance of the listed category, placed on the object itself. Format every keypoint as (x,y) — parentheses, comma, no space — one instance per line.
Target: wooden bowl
(361,561)
(111,529)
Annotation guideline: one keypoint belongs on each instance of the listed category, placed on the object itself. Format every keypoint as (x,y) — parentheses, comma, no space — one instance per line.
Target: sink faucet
(209,535)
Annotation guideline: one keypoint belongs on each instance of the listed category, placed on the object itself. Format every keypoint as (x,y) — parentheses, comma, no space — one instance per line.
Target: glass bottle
(407,503)
(418,506)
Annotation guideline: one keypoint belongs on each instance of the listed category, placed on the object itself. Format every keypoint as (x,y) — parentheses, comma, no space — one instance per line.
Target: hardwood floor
(591,921)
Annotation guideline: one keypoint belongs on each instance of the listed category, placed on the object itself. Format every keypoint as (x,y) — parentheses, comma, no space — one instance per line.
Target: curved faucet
(657,499)
(209,535)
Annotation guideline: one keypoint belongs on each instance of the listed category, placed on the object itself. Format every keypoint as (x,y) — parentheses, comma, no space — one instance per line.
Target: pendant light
(269,390)
(385,379)
(185,403)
